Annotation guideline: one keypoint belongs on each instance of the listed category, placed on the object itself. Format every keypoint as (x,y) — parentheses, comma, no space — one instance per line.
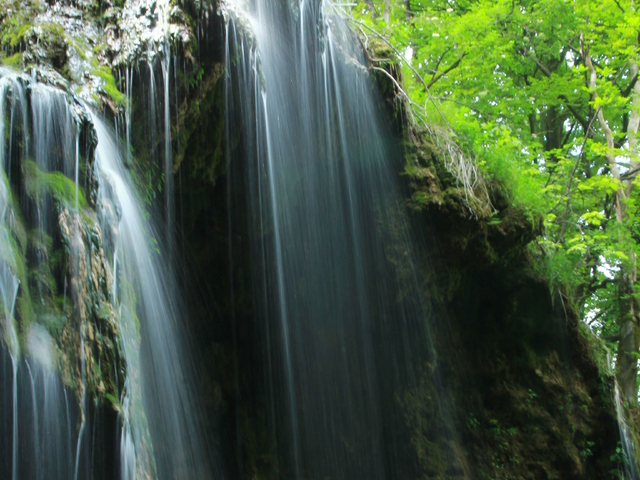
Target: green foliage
(620,455)
(511,80)
(114,401)
(196,78)
(14,32)
(14,60)
(586,451)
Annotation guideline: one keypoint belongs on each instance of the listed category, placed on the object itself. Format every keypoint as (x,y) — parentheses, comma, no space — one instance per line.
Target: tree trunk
(627,361)
(631,325)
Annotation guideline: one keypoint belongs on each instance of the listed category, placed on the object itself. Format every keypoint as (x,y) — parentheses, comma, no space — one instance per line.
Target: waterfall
(41,434)
(627,448)
(335,286)
(160,429)
(53,433)
(168,159)
(9,281)
(626,441)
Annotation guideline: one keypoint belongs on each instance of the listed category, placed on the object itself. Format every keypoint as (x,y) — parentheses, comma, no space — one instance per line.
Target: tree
(545,95)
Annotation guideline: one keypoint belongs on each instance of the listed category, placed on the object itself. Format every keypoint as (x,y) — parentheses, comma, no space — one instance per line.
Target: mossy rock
(109,85)
(56,184)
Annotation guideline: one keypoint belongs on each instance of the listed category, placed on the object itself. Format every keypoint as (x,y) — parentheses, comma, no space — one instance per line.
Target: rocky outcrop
(531,389)
(58,248)
(93,333)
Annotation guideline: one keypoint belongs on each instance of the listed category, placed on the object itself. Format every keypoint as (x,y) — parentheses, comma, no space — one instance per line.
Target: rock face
(529,389)
(86,42)
(64,274)
(90,282)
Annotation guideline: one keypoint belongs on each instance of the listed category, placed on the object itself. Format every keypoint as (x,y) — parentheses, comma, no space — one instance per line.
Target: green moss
(53,32)
(18,230)
(62,188)
(114,401)
(99,48)
(80,47)
(24,306)
(598,351)
(202,142)
(40,243)
(16,25)
(42,275)
(16,226)
(109,86)
(54,324)
(14,60)
(56,259)
(18,34)
(103,311)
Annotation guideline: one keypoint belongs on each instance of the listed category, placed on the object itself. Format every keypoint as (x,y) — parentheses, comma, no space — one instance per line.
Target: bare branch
(453,66)
(581,120)
(435,70)
(627,91)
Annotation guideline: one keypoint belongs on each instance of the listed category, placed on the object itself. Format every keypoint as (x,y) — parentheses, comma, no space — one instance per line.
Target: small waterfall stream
(9,281)
(159,373)
(38,136)
(628,448)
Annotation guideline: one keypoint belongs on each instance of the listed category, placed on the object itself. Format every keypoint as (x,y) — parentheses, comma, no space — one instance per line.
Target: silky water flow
(39,434)
(160,430)
(55,431)
(338,302)
(336,288)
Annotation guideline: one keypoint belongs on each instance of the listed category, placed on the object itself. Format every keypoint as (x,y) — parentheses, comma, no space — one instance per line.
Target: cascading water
(344,317)
(55,433)
(154,115)
(9,281)
(168,158)
(9,284)
(628,449)
(160,429)
(41,440)
(328,308)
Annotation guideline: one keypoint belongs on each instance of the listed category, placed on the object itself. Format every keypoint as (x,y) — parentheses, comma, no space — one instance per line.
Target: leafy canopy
(512,79)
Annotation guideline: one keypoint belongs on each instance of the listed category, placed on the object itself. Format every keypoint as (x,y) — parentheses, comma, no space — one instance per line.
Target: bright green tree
(545,95)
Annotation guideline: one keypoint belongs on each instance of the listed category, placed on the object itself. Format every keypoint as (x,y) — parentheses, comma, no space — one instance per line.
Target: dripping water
(168,161)
(9,282)
(77,165)
(83,403)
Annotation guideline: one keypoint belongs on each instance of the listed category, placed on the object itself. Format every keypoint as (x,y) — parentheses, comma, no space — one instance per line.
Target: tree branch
(444,54)
(581,120)
(453,66)
(402,59)
(566,137)
(627,91)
